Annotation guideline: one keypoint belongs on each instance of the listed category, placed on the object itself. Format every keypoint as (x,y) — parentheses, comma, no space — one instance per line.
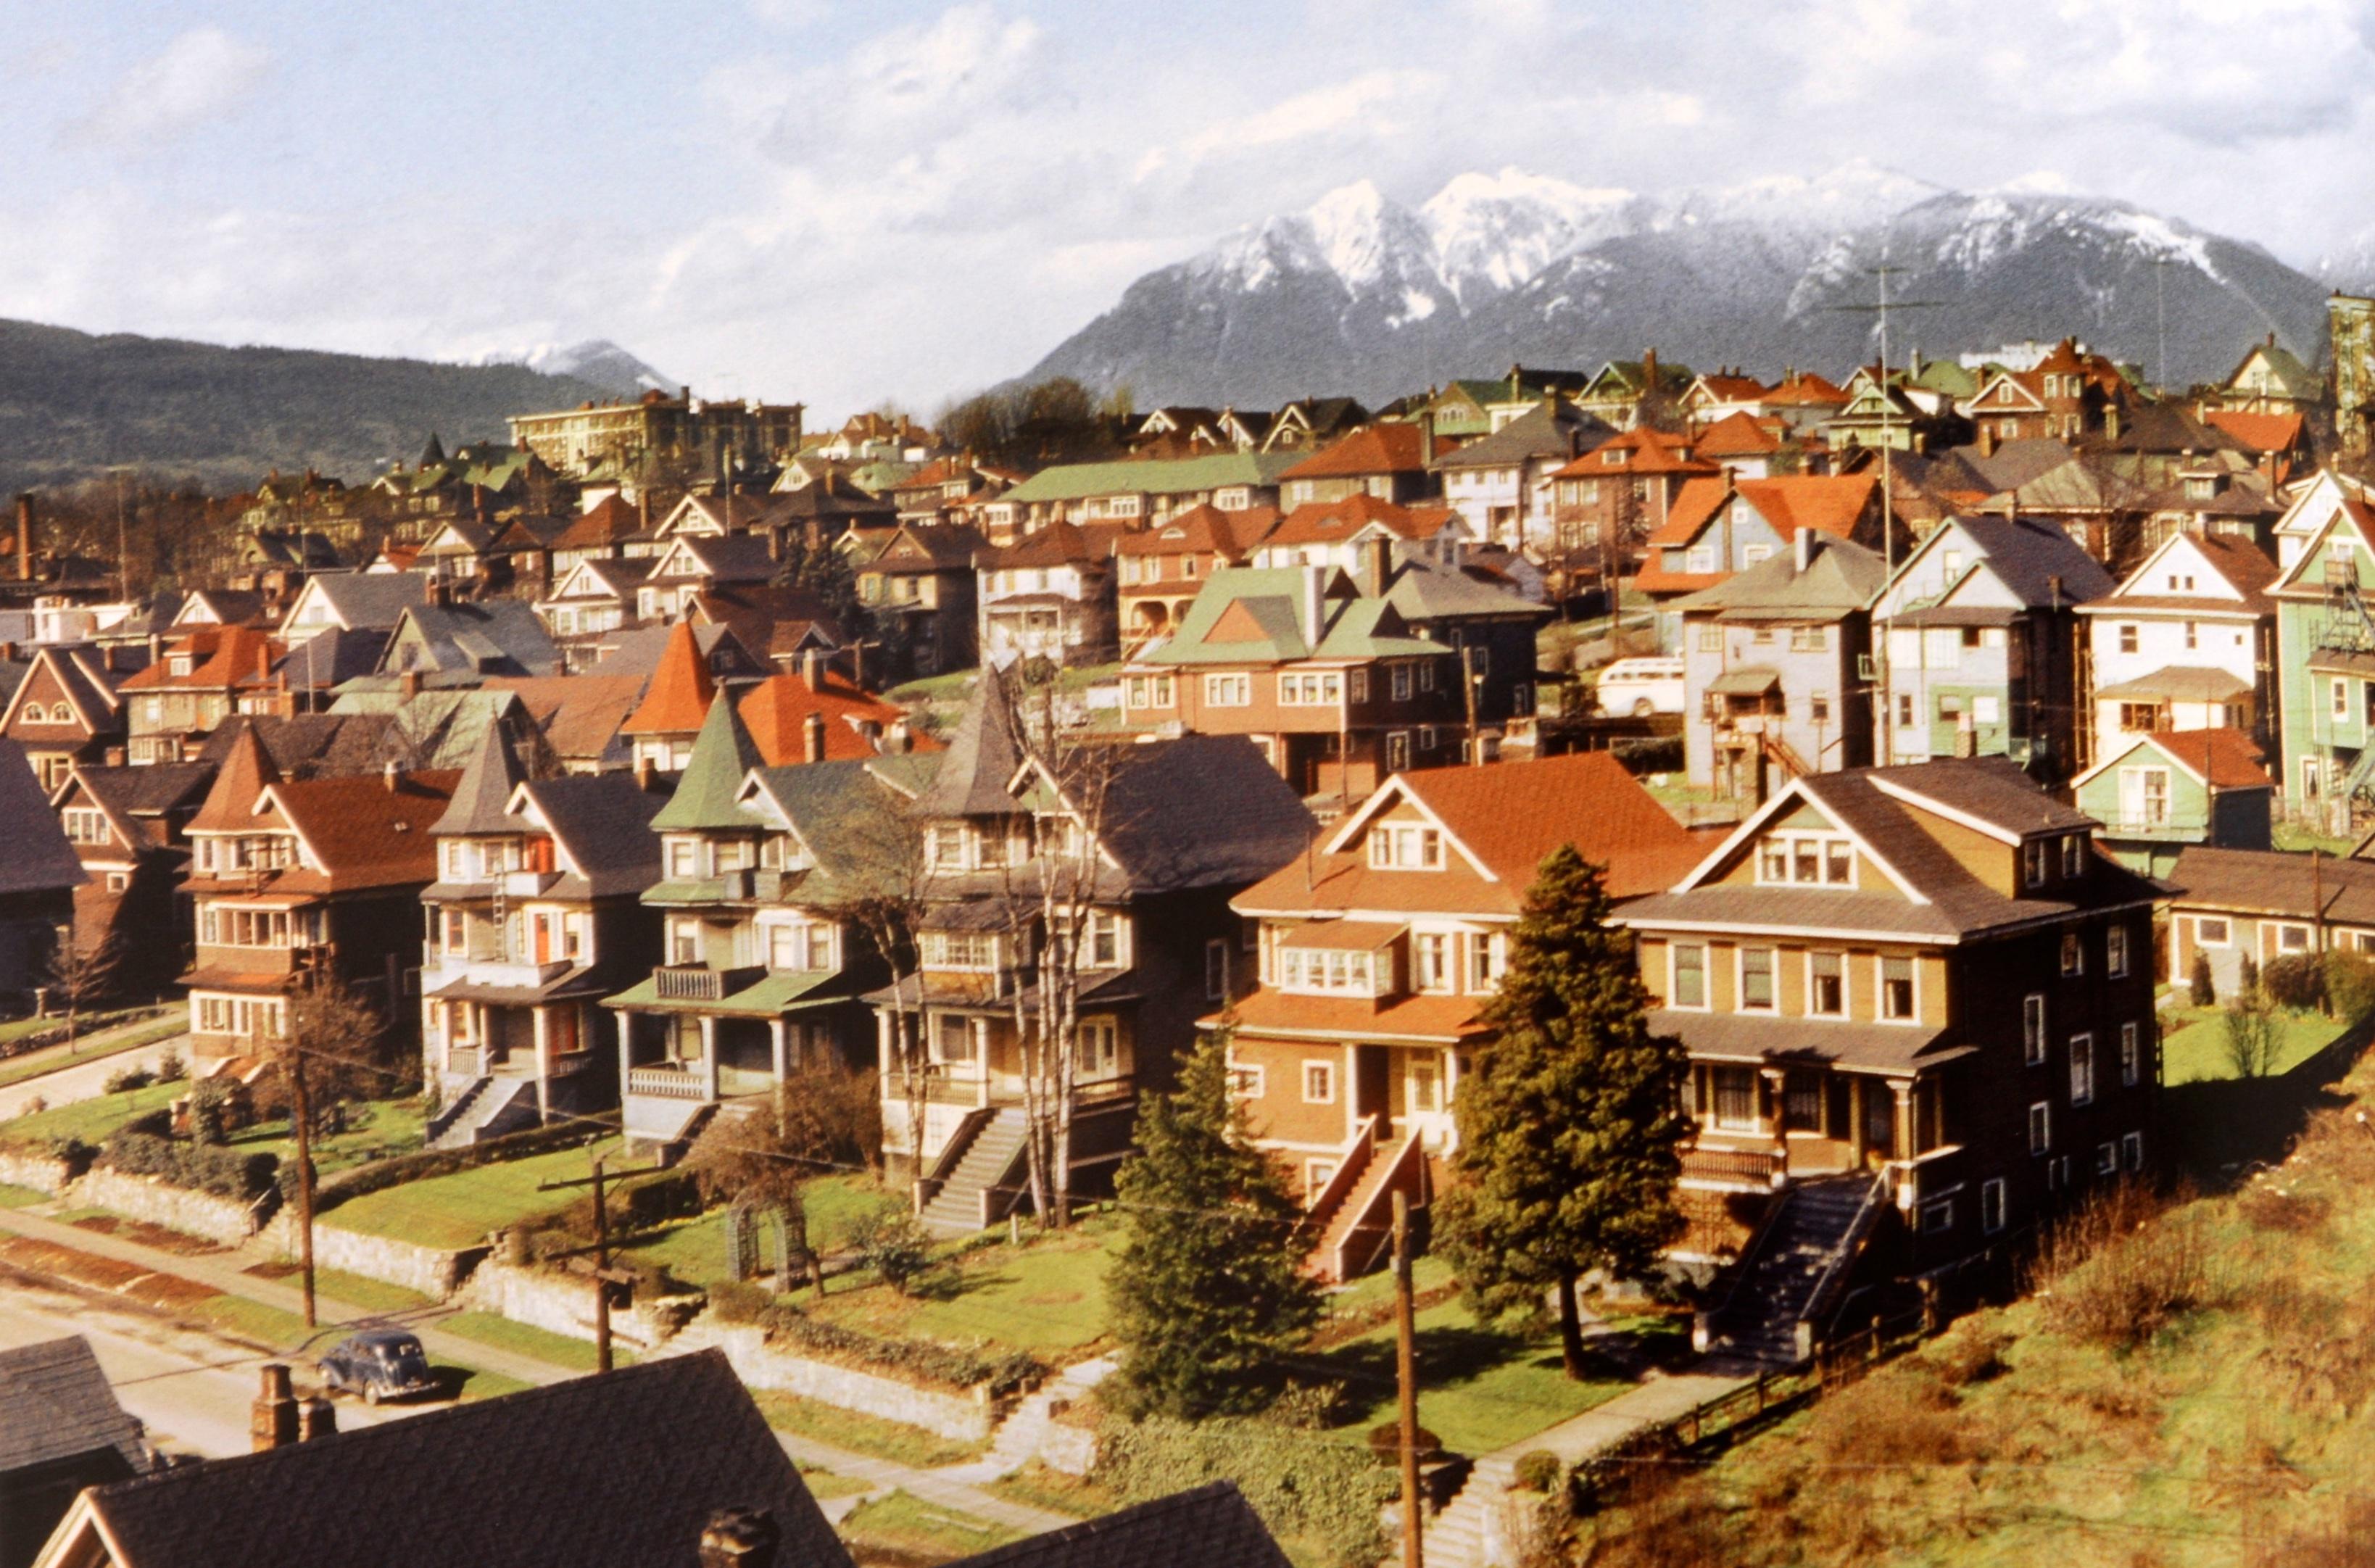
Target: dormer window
(178,664)
(2032,863)
(1806,860)
(2074,855)
(1327,971)
(1405,847)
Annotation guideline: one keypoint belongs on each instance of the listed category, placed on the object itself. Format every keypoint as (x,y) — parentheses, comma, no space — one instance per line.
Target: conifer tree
(1571,1123)
(1210,1288)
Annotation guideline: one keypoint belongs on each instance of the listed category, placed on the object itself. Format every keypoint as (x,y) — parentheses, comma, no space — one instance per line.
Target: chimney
(644,777)
(1803,546)
(1378,565)
(272,1420)
(114,755)
(812,667)
(858,664)
(900,738)
(392,776)
(156,647)
(739,1538)
(1650,370)
(411,684)
(1313,605)
(441,594)
(316,1419)
(812,737)
(25,537)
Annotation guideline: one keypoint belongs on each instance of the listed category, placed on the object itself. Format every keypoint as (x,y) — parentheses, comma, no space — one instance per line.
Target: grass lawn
(489,1328)
(375,1128)
(908,1530)
(1036,1486)
(861,1434)
(20,1197)
(455,1212)
(1046,1296)
(355,1290)
(694,1250)
(472,1384)
(50,1058)
(264,1324)
(825,1485)
(90,1120)
(1480,1388)
(2194,1042)
(2300,841)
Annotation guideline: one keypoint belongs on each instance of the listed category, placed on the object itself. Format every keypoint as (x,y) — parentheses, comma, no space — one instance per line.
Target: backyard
(2194,1042)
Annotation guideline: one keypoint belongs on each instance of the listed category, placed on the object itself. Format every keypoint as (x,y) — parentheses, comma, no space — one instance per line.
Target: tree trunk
(1570,1329)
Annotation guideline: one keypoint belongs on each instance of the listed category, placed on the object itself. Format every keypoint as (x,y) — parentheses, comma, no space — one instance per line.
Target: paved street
(77,1080)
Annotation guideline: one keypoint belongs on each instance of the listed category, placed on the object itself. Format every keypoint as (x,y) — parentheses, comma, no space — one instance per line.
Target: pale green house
(2325,674)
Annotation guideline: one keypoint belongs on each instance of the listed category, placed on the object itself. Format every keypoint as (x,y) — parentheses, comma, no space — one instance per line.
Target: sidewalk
(223,1274)
(81,1072)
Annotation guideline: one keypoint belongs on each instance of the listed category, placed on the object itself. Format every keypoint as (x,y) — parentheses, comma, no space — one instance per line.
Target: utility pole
(122,550)
(601,1272)
(1406,1377)
(302,1110)
(2160,313)
(1468,688)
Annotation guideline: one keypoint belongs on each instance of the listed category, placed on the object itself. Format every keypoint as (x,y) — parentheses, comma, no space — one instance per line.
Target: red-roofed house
(662,728)
(1717,528)
(1377,956)
(2279,441)
(203,679)
(1608,499)
(2068,393)
(1388,460)
(1335,534)
(1159,572)
(1719,394)
(819,715)
(2159,791)
(1805,399)
(1050,595)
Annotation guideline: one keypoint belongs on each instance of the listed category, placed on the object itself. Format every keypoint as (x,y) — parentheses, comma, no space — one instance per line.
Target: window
(1905,709)
(1757,980)
(1228,691)
(2341,698)
(1991,1205)
(1810,639)
(2211,931)
(681,857)
(2192,639)
(1808,858)
(1689,988)
(2132,1151)
(1937,1217)
(1484,961)
(2074,855)
(2127,637)
(1398,751)
(1324,970)
(1310,689)
(955,1040)
(1104,939)
(1826,984)
(1402,683)
(1247,1083)
(2292,939)
(2032,863)
(1818,707)
(1405,847)
(2040,1128)
(960,949)
(1735,1098)
(1896,988)
(1318,1083)
(1360,686)
(2115,951)
(2082,1069)
(2073,956)
(2131,1056)
(1710,639)
(1150,692)
(1426,676)
(1216,971)
(2032,1028)
(2107,1159)
(1431,958)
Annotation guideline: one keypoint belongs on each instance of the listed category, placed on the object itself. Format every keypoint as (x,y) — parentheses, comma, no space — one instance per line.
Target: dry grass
(2126,1266)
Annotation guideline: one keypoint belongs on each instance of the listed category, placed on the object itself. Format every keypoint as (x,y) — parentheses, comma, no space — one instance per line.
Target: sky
(844,204)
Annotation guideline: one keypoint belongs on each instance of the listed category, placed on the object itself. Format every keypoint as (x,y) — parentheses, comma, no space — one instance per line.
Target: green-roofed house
(760,967)
(1140,491)
(1331,683)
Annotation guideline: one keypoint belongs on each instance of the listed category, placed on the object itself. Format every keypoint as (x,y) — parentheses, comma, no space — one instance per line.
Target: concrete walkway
(220,1271)
(77,1075)
(1578,1438)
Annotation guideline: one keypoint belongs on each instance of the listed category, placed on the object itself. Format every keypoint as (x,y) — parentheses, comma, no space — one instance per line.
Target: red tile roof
(1804,387)
(1331,522)
(776,710)
(1387,447)
(1416,1016)
(1202,529)
(222,657)
(1736,435)
(368,833)
(2261,433)
(1643,451)
(608,521)
(1732,388)
(678,699)
(2225,757)
(1829,502)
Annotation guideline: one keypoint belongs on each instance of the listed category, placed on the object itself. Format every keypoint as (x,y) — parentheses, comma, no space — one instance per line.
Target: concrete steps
(957,1208)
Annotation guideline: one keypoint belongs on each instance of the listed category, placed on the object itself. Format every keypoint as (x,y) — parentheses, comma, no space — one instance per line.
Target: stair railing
(952,1153)
(1834,1271)
(1380,1236)
(1702,1322)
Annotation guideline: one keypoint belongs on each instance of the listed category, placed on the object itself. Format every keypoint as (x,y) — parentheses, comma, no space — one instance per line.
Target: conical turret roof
(678,697)
(981,757)
(481,801)
(246,771)
(722,756)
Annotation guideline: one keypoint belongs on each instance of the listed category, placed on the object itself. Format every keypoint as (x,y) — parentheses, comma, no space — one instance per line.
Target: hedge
(1653,754)
(1013,1372)
(1302,1485)
(418,1167)
(140,1147)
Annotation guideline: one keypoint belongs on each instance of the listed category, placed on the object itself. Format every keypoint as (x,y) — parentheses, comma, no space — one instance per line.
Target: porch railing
(1758,1168)
(689,983)
(467,1060)
(667,1083)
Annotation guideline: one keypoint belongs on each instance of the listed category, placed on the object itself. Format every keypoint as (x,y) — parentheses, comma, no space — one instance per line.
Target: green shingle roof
(722,755)
(1352,628)
(1182,476)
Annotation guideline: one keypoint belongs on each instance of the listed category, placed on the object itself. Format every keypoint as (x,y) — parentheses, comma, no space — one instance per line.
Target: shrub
(35,1104)
(1974,1355)
(738,1301)
(2122,1268)
(1653,754)
(123,1080)
(2205,989)
(2268,1207)
(2251,981)
(2295,981)
(2350,985)
(895,1245)
(211,1104)
(204,1167)
(949,1365)
(1386,1443)
(1540,1470)
(170,1068)
(1904,1416)
(2252,1034)
(1326,1494)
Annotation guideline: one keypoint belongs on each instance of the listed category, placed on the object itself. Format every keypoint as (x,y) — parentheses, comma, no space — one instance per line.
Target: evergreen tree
(1210,1288)
(1571,1123)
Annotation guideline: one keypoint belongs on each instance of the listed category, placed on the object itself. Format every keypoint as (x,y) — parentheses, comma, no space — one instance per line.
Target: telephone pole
(302,1112)
(1406,1377)
(601,1272)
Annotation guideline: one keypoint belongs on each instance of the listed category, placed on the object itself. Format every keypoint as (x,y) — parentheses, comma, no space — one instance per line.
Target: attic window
(1405,847)
(178,664)
(1806,859)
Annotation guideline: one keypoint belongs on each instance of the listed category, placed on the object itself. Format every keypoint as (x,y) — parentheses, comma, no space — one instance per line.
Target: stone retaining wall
(961,1418)
(37,1172)
(223,1221)
(409,1265)
(1070,1449)
(559,1303)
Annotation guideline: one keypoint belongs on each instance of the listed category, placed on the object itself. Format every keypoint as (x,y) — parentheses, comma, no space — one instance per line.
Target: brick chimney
(392,774)
(812,667)
(409,684)
(1376,565)
(1648,370)
(812,737)
(740,1537)
(25,537)
(272,1420)
(316,1419)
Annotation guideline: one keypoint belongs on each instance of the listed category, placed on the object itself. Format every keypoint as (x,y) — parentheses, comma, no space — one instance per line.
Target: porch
(673,1064)
(962,1062)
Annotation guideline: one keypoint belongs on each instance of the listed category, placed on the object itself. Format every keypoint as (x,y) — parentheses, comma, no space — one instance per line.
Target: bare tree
(81,974)
(836,1122)
(879,889)
(333,1042)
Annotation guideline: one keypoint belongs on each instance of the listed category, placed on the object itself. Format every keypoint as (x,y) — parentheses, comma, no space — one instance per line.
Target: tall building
(2350,324)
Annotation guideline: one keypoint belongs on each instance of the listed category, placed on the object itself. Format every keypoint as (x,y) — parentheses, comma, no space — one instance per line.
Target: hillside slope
(72,404)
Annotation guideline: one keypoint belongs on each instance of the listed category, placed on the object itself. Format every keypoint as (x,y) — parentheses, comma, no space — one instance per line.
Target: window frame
(2115,951)
(2082,1068)
(1912,1013)
(2041,1129)
(1846,1000)
(1740,1002)
(1705,1002)
(2132,1055)
(2035,1029)
(1322,1073)
(1992,1193)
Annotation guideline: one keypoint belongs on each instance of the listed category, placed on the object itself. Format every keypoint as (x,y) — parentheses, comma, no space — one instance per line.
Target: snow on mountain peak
(1846,197)
(1500,230)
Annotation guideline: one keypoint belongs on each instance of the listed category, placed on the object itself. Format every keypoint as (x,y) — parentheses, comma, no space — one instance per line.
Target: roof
(2222,759)
(2261,433)
(1737,435)
(331,656)
(1333,522)
(1641,450)
(34,853)
(722,754)
(679,698)
(1211,1526)
(608,521)
(220,657)
(1386,447)
(367,832)
(1201,528)
(481,801)
(55,1404)
(149,790)
(240,779)
(777,711)
(486,637)
(2039,562)
(1256,615)
(620,1470)
(1832,503)
(1200,811)
(604,821)
(982,759)
(2268,881)
(1075,481)
(1853,1045)
(2183,683)
(1550,429)
(580,715)
(1840,576)
(1058,544)
(371,599)
(729,558)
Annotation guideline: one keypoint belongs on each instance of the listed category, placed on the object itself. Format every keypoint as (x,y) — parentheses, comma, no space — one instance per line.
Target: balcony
(1758,1170)
(2185,827)
(699,982)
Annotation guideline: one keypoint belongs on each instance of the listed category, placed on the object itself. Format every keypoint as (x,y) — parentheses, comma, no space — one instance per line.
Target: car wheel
(370,1393)
(1643,707)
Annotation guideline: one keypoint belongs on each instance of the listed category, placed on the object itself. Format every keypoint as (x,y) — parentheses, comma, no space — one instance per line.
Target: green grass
(372,1126)
(921,1531)
(259,1322)
(452,1212)
(694,1250)
(90,1120)
(860,1432)
(51,1058)
(826,1485)
(1045,1296)
(1036,1486)
(2194,1042)
(520,1339)
(477,1384)
(1480,1387)
(2300,841)
(20,1197)
(355,1290)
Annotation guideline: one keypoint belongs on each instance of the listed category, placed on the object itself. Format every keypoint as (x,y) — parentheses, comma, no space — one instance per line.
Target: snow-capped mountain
(596,360)
(1360,292)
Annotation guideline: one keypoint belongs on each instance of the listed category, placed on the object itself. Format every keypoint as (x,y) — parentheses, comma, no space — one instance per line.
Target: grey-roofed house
(2231,906)
(1980,628)
(38,874)
(691,564)
(627,1469)
(125,826)
(2187,641)
(534,915)
(1501,482)
(1772,659)
(461,645)
(1920,995)
(355,600)
(61,1429)
(636,651)
(1164,834)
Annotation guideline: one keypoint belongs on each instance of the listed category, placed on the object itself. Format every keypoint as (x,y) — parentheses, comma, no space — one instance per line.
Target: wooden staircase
(1357,1228)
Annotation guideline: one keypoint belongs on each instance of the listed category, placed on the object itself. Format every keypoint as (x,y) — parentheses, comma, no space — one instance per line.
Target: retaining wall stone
(961,1418)
(223,1221)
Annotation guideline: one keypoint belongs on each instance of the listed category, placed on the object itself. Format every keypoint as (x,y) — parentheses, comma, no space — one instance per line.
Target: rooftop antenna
(2160,314)
(1880,306)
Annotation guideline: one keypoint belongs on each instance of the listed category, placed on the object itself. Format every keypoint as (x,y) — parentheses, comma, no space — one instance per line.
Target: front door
(1425,1097)
(541,925)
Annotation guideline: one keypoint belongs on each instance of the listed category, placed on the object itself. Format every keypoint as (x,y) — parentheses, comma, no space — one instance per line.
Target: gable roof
(777,711)
(1737,435)
(34,853)
(580,715)
(482,798)
(1205,527)
(1387,447)
(981,761)
(608,522)
(2245,567)
(2261,433)
(1257,614)
(1552,429)
(1333,522)
(549,1472)
(1077,481)
(2220,758)
(2038,563)
(1209,1526)
(1832,503)
(55,1404)
(604,821)
(485,637)
(1641,450)
(2295,379)
(366,832)
(1200,811)
(370,598)
(1840,577)
(722,754)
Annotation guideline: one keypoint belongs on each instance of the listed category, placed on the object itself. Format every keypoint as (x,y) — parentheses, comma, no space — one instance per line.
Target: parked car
(378,1364)
(1642,687)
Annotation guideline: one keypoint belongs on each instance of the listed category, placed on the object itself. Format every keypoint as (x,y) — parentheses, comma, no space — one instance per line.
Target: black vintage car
(378,1364)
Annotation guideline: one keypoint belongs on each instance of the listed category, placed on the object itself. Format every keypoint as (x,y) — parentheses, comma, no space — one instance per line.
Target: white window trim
(1992,1193)
(2035,1049)
(2040,1114)
(1879,988)
(2115,951)
(2081,1048)
(1740,1002)
(1707,978)
(2132,1055)
(1328,1070)
(1847,983)
(2224,923)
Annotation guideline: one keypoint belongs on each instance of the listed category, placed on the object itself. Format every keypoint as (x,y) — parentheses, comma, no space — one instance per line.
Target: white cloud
(203,75)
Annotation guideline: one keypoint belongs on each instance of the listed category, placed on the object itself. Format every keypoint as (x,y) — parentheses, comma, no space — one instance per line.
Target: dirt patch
(147,1235)
(46,1258)
(168,1291)
(273,1269)
(1055,1298)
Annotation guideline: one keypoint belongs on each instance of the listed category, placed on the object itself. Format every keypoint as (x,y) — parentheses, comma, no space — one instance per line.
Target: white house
(2186,642)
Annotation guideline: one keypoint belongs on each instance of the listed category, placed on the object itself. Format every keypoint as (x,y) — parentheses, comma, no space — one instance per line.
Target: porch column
(780,1049)
(1901,1136)
(626,1048)
(1777,1085)
(1859,1145)
(1347,1088)
(537,1026)
(709,1055)
(885,1065)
